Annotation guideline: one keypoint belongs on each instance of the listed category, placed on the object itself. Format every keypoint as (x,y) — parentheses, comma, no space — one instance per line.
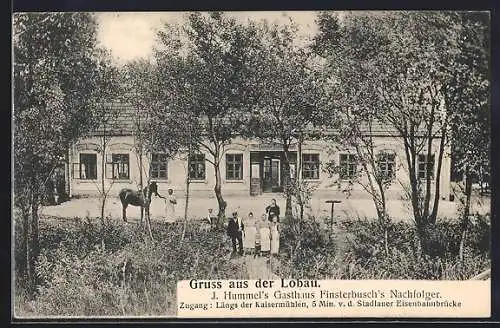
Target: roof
(117,119)
(121,118)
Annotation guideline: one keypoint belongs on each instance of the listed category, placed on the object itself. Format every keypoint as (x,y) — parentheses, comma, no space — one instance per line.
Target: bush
(363,255)
(307,250)
(77,278)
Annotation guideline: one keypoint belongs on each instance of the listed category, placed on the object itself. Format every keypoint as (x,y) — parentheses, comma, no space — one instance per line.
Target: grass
(77,278)
(356,251)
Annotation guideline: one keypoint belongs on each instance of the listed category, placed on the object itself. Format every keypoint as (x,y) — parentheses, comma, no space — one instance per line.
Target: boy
(211,217)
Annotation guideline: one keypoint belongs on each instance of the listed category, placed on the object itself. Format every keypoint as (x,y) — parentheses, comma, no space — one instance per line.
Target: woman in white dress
(265,235)
(275,236)
(250,233)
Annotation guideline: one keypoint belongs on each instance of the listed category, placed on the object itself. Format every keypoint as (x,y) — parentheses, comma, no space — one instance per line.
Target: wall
(326,186)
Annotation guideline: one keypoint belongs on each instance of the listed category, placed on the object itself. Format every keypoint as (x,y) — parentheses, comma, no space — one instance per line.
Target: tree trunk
(103,191)
(103,224)
(428,178)
(410,153)
(298,181)
(141,182)
(286,178)
(465,219)
(186,206)
(218,193)
(33,245)
(437,189)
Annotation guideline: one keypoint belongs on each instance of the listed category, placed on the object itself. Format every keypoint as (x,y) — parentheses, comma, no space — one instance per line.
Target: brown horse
(138,198)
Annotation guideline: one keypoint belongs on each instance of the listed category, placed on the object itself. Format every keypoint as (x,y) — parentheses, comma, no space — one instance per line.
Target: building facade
(249,167)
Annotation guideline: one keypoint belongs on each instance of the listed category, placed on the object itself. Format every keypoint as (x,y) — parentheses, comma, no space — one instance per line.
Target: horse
(138,198)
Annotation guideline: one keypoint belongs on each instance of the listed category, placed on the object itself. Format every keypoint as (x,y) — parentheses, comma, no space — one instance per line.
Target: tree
(287,93)
(153,91)
(139,90)
(401,69)
(56,75)
(467,98)
(211,51)
(348,48)
(105,120)
(415,94)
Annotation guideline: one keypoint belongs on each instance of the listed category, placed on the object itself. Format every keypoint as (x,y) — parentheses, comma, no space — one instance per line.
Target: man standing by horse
(170,203)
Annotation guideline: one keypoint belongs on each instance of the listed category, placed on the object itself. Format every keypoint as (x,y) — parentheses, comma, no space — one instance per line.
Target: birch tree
(211,50)
(408,58)
(287,92)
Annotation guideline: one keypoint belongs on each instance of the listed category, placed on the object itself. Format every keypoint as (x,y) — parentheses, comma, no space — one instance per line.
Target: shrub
(307,250)
(363,255)
(77,278)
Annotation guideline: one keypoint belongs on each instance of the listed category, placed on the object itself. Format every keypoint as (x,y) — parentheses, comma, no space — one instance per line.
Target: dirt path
(257,267)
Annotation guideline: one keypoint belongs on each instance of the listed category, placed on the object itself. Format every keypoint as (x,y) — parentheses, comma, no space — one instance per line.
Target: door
(271,174)
(267,176)
(275,173)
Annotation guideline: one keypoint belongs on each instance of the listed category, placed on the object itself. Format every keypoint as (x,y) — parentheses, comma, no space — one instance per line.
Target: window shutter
(126,172)
(109,171)
(76,170)
(109,158)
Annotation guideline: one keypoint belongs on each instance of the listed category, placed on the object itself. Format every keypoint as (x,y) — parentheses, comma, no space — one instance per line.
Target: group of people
(256,238)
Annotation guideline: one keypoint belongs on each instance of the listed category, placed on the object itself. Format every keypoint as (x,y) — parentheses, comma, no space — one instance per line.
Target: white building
(248,167)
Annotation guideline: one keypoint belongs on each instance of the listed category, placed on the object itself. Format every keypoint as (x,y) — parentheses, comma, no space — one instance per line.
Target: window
(347,166)
(425,166)
(234,166)
(88,166)
(310,166)
(197,167)
(386,163)
(159,163)
(119,165)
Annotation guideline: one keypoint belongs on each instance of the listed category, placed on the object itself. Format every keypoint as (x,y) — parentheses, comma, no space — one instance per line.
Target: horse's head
(153,188)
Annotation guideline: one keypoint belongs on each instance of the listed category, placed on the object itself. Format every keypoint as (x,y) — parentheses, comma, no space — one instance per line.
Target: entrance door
(271,174)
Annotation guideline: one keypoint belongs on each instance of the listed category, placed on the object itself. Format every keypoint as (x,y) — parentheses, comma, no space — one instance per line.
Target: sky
(131,35)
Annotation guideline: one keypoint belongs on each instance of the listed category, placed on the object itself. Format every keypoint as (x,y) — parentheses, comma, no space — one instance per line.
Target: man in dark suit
(235,230)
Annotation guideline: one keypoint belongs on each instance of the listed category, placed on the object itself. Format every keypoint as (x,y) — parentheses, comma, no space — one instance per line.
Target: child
(211,217)
(249,237)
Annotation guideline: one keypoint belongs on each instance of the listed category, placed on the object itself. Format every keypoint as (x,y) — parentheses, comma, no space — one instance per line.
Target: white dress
(265,238)
(275,239)
(249,236)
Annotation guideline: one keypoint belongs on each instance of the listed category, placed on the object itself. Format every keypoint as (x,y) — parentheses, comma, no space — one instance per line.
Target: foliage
(58,75)
(286,93)
(401,69)
(79,278)
(202,66)
(307,250)
(358,251)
